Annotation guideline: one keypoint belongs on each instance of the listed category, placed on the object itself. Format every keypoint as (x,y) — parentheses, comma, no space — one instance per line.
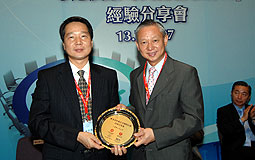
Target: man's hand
(118,151)
(144,136)
(252,112)
(246,113)
(89,140)
(120,106)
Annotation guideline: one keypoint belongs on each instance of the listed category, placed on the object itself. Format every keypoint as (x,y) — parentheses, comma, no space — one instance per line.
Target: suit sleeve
(132,95)
(252,125)
(115,91)
(42,123)
(251,122)
(191,120)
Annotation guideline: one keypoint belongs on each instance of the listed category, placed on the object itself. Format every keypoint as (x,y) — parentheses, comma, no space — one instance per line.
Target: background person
(235,126)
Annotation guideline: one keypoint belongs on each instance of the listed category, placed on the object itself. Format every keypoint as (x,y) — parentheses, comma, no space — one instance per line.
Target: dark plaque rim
(113,111)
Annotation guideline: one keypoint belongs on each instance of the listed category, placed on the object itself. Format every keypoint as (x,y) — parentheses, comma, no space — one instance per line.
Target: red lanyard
(144,77)
(86,99)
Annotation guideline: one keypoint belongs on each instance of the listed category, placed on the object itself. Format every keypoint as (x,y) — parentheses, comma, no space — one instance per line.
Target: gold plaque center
(117,129)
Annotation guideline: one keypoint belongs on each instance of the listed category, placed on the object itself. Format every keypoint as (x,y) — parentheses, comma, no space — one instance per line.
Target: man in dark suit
(235,125)
(60,115)
(172,110)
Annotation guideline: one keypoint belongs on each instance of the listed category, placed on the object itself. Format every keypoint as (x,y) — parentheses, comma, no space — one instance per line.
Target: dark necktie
(83,86)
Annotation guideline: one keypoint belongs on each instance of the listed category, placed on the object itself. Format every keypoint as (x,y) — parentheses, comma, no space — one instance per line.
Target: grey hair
(150,22)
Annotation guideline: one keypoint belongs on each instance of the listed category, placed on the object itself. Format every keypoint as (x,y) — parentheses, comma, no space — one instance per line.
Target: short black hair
(75,19)
(241,83)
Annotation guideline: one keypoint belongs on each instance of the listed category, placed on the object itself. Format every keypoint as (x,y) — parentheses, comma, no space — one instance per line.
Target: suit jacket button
(149,109)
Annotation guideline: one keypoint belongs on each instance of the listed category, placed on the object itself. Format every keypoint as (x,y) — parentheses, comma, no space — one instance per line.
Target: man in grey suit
(168,101)
(57,115)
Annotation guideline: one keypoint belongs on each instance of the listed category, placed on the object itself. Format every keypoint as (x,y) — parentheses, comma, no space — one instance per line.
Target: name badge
(88,126)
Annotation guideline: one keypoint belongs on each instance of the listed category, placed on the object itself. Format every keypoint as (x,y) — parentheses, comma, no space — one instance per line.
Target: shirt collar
(239,109)
(157,66)
(86,68)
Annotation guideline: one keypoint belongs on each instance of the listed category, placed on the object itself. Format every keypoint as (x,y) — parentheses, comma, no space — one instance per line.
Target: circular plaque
(117,128)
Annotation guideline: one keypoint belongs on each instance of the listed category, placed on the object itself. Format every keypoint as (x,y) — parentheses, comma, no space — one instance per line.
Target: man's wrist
(79,137)
(152,135)
(243,120)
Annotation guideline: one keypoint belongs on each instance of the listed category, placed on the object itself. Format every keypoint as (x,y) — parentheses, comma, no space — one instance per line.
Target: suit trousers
(240,154)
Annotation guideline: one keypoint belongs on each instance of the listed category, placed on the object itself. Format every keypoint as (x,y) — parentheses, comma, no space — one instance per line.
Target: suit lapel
(66,81)
(163,79)
(234,112)
(95,88)
(141,88)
